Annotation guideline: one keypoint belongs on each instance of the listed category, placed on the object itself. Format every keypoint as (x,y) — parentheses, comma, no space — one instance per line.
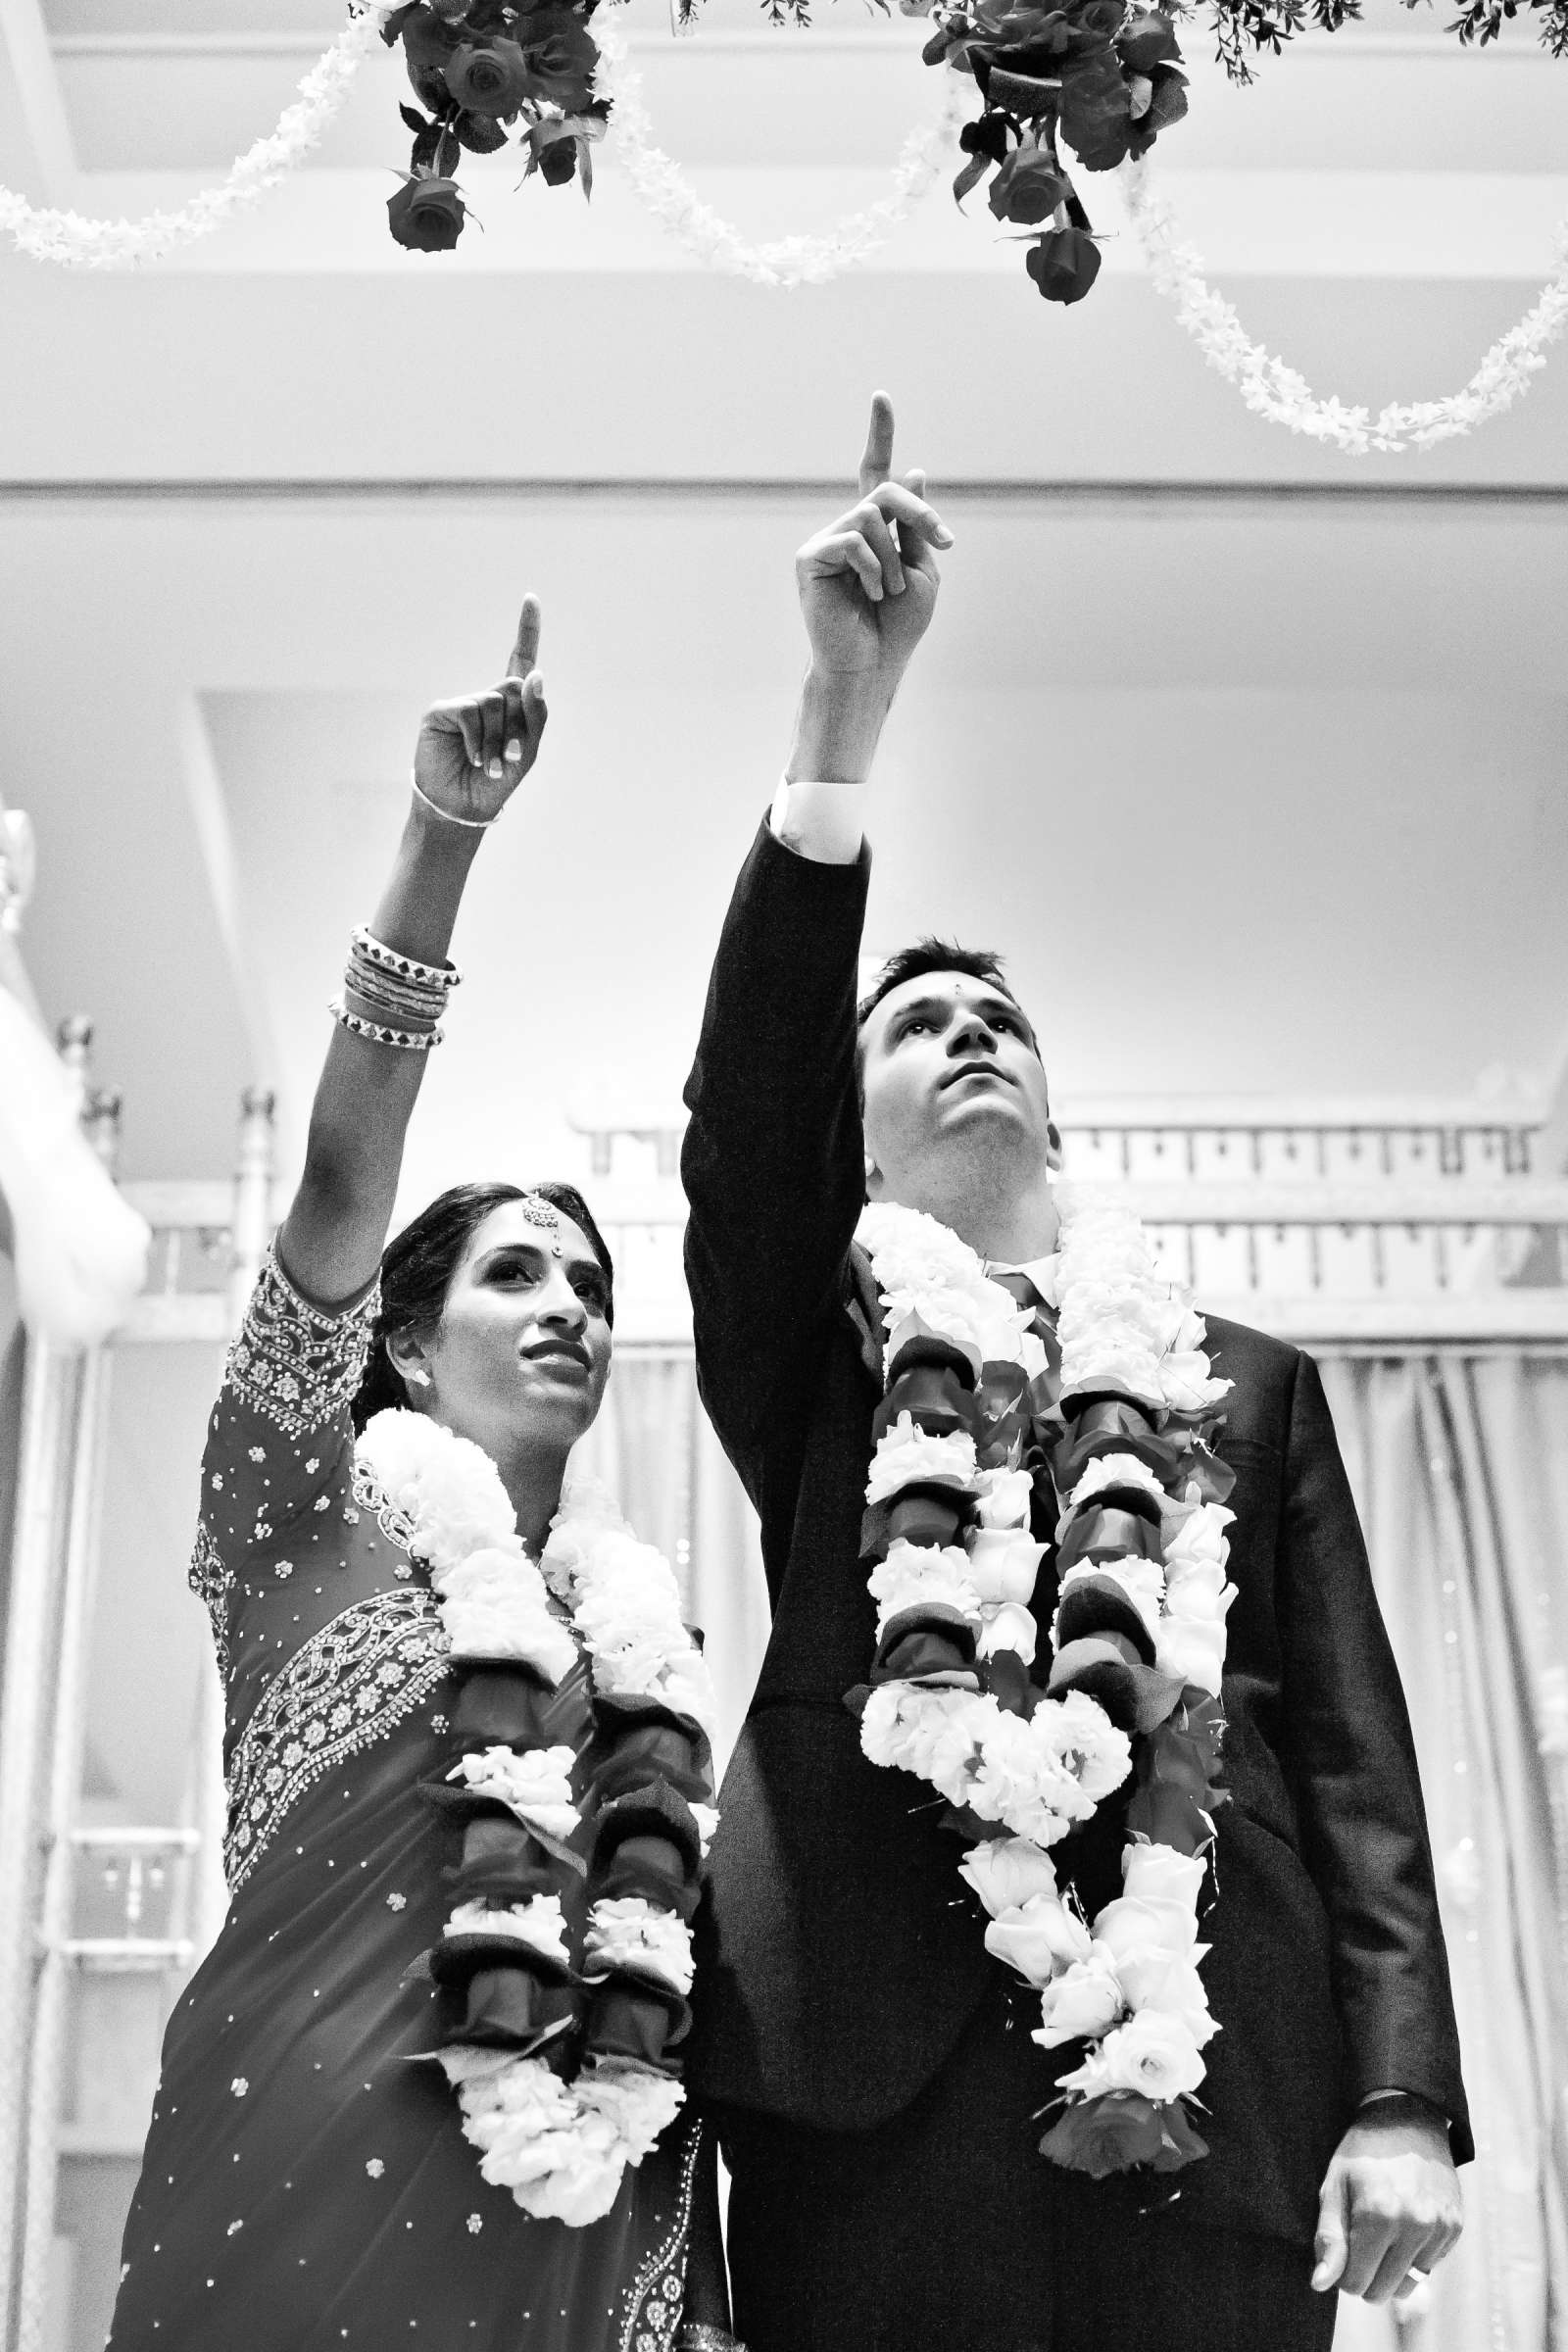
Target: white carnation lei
(1128,1985)
(561,2148)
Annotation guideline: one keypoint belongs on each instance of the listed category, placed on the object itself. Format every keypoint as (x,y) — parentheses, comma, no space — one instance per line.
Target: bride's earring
(419,1379)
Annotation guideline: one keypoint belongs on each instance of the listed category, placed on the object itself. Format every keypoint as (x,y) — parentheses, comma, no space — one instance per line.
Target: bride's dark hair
(418,1265)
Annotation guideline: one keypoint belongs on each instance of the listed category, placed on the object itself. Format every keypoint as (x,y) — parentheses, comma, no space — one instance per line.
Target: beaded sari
(306,2182)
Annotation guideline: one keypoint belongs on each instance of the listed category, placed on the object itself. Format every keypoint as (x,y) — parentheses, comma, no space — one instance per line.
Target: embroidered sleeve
(278,1461)
(294,1363)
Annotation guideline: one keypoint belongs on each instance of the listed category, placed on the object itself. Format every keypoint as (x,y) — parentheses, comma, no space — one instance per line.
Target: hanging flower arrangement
(486,73)
(1103,79)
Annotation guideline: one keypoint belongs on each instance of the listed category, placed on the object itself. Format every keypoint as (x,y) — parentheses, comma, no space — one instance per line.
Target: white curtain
(1459,1462)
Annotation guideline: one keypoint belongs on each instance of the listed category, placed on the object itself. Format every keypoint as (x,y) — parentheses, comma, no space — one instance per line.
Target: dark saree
(306,2182)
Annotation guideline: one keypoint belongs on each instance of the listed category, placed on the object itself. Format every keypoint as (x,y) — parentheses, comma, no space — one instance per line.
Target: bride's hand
(474,753)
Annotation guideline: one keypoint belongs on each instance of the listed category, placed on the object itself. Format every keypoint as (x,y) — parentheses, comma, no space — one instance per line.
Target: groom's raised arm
(773,1159)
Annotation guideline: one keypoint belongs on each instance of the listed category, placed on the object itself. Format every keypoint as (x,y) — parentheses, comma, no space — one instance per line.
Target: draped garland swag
(1082,88)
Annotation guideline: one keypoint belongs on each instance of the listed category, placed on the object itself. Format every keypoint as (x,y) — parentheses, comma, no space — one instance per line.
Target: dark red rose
(1064,263)
(1148,39)
(987,135)
(560,58)
(1167,102)
(427,44)
(427,215)
(1027,188)
(558,162)
(488,77)
(1106,2135)
(1097,111)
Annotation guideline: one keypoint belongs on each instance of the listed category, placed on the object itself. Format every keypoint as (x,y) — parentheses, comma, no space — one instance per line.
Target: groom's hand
(868,588)
(868,583)
(1390,2205)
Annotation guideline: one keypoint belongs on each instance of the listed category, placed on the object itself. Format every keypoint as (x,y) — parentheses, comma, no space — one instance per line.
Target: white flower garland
(78,243)
(1129,1985)
(784,260)
(1276,391)
(561,2148)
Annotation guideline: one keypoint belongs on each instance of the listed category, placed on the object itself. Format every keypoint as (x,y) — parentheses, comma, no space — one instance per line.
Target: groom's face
(950,1065)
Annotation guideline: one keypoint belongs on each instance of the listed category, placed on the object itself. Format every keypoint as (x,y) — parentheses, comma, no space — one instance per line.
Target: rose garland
(560,2145)
(1138,1639)
(1281,395)
(77,243)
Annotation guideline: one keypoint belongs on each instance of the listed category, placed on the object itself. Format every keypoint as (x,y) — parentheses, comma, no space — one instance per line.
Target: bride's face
(523,1345)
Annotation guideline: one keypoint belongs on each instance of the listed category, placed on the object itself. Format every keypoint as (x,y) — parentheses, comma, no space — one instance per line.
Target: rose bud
(488,77)
(558,162)
(1064,263)
(1148,39)
(560,55)
(426,215)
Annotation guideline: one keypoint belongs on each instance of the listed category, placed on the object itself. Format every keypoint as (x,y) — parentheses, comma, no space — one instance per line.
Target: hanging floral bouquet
(972,1440)
(487,71)
(1103,79)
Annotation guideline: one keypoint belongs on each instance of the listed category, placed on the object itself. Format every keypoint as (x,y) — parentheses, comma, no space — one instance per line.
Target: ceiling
(1251,753)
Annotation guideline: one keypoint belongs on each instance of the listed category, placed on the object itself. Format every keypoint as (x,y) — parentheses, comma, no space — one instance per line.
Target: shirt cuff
(1389,2091)
(824,822)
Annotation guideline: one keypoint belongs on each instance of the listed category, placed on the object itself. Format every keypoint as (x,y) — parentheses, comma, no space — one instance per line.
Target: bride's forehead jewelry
(537,1210)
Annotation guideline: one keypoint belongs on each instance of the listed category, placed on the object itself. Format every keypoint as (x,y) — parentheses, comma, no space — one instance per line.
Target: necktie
(1036,1458)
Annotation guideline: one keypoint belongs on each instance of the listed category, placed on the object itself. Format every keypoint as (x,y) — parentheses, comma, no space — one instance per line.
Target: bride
(424,2089)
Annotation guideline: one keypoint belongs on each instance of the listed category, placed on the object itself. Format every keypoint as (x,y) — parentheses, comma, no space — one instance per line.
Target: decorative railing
(131,1899)
(1330,1219)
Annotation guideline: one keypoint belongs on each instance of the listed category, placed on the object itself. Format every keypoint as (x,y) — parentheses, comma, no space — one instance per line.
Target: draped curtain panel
(655,1447)
(1460,1467)
(1459,1463)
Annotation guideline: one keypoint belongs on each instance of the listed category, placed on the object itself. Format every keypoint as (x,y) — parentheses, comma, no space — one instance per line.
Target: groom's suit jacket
(840,1955)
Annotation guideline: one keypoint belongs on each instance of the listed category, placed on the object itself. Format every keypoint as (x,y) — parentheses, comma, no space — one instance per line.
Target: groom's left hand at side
(1391,2203)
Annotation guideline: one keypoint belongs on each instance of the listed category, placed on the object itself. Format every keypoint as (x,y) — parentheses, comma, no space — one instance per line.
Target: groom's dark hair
(934,956)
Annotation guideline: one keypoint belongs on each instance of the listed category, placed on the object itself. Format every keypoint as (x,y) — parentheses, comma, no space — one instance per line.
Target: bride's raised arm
(473,754)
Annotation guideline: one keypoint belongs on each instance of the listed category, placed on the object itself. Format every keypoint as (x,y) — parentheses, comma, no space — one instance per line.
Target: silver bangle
(409,1041)
(475,824)
(363,942)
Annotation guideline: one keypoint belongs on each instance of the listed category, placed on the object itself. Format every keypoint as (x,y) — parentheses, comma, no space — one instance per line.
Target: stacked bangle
(402,998)
(410,1041)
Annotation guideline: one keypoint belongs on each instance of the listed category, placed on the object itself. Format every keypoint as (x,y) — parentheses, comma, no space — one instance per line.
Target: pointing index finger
(524,655)
(877,462)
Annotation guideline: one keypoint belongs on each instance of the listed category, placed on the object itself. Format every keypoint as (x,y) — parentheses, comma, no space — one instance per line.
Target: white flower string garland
(47,234)
(1141,1619)
(784,260)
(561,2147)
(1280,394)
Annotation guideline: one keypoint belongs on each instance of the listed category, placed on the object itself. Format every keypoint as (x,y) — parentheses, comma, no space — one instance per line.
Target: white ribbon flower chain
(1267,384)
(1128,1984)
(561,2148)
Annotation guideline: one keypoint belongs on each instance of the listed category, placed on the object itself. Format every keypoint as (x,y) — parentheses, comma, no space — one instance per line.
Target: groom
(878,2095)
